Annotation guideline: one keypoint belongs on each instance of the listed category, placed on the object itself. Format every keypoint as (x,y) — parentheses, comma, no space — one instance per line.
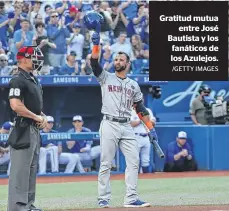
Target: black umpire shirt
(26,87)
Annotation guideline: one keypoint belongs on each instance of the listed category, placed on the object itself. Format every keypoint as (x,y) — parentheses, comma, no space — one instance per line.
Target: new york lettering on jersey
(118,95)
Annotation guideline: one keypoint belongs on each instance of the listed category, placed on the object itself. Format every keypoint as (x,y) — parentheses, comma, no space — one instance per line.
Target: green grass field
(167,192)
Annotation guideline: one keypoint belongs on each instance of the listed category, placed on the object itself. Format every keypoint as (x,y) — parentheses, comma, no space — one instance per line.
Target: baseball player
(119,95)
(54,150)
(48,149)
(4,147)
(143,139)
(82,148)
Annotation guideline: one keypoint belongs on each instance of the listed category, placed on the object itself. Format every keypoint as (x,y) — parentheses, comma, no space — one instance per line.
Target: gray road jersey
(118,95)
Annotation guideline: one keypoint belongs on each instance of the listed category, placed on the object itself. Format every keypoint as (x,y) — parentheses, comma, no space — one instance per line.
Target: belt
(142,134)
(116,119)
(27,120)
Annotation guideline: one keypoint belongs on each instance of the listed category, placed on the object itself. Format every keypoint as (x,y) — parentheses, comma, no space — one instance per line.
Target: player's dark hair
(127,56)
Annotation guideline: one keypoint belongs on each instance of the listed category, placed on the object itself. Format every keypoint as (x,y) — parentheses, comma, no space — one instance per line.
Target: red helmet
(34,53)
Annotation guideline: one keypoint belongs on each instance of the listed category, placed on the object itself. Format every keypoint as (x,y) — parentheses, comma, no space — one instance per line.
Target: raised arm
(96,67)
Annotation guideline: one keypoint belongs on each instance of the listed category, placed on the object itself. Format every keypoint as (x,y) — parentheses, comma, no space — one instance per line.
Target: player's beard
(120,68)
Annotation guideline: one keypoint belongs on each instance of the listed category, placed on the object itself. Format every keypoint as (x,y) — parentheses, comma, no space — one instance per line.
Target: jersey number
(15,92)
(129,104)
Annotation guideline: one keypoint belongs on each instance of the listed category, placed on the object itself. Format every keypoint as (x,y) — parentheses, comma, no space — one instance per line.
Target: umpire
(26,101)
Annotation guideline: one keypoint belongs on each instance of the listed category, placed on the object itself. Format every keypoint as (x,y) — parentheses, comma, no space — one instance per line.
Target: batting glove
(153,134)
(95,38)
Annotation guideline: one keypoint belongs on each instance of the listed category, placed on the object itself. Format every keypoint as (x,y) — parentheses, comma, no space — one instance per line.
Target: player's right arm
(17,89)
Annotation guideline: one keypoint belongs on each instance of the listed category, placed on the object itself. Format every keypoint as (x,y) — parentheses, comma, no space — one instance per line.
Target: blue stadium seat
(140,65)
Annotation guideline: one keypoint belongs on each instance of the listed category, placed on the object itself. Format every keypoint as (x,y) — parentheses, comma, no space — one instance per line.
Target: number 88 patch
(15,92)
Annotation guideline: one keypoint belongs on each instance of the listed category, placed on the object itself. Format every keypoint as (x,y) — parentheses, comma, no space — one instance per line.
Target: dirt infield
(85,178)
(157,208)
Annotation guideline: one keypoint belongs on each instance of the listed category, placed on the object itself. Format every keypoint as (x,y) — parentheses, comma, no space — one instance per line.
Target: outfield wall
(210,145)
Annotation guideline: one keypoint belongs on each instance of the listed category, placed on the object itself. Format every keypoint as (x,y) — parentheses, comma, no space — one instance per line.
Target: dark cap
(72,53)
(76,25)
(73,9)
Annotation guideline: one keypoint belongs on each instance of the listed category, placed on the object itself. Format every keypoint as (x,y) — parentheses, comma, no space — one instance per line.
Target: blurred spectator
(35,9)
(82,147)
(38,19)
(106,25)
(141,23)
(85,5)
(130,9)
(106,60)
(44,44)
(122,45)
(23,37)
(48,10)
(119,20)
(87,44)
(57,32)
(72,18)
(17,15)
(2,51)
(179,155)
(14,70)
(71,66)
(4,147)
(8,7)
(4,21)
(5,129)
(76,42)
(4,68)
(62,7)
(86,66)
(105,6)
(140,49)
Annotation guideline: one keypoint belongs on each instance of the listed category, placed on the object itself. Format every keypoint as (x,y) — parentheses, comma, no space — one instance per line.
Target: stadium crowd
(57,27)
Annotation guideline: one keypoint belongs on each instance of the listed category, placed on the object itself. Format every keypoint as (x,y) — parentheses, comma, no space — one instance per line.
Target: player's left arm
(143,114)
